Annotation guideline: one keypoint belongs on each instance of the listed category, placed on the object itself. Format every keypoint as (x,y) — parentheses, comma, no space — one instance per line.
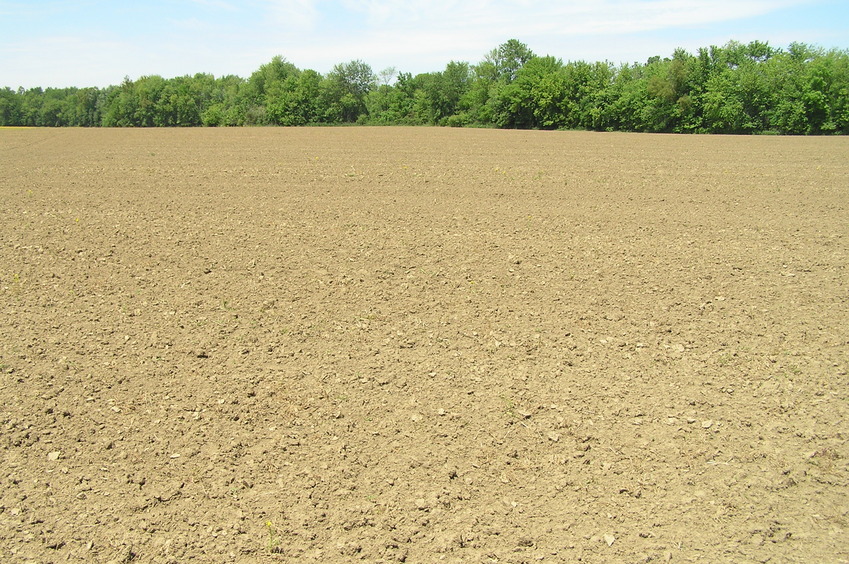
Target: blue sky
(96,43)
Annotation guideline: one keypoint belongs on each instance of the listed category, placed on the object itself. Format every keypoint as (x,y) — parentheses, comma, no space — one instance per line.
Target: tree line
(736,88)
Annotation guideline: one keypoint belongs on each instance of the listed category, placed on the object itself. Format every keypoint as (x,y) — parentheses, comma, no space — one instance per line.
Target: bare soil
(396,344)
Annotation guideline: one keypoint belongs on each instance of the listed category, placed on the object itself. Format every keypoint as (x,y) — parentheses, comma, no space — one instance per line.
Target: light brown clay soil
(393,344)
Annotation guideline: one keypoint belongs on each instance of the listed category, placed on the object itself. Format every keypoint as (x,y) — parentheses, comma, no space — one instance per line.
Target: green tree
(453,83)
(304,100)
(738,95)
(394,104)
(426,98)
(10,107)
(82,107)
(435,96)
(626,96)
(813,91)
(345,89)
(148,95)
(505,61)
(121,103)
(226,105)
(486,100)
(474,104)
(52,109)
(669,104)
(534,99)
(181,102)
(268,91)
(586,94)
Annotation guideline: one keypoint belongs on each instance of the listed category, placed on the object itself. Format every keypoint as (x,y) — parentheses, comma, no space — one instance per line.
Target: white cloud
(237,36)
(67,60)
(393,12)
(295,15)
(530,16)
(219,4)
(428,34)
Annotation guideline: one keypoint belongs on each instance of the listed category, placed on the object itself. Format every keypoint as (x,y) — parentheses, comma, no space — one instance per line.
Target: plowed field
(401,344)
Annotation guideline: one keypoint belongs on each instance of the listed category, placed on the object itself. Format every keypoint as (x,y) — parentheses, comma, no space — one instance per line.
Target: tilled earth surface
(393,344)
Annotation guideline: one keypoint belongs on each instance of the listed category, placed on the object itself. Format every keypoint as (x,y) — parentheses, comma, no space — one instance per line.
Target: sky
(60,43)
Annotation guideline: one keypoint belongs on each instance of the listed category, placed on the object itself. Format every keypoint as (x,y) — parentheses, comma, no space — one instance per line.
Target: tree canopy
(734,88)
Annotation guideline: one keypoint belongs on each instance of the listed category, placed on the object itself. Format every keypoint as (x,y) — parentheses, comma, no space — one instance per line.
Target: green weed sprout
(272,537)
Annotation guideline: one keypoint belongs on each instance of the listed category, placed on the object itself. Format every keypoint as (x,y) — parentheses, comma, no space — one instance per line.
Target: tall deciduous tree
(346,88)
(507,59)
